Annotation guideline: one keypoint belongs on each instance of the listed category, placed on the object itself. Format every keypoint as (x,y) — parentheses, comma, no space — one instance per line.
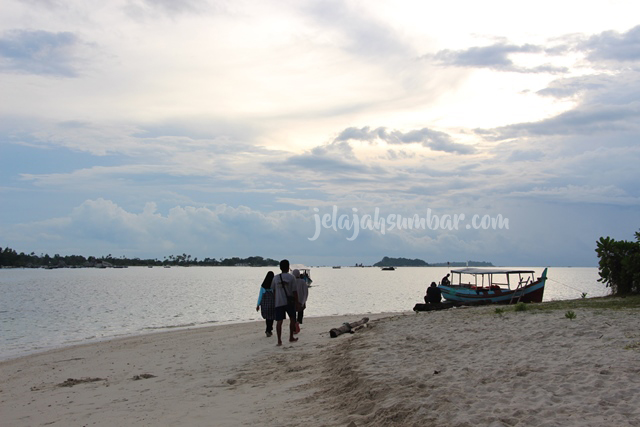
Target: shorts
(283,310)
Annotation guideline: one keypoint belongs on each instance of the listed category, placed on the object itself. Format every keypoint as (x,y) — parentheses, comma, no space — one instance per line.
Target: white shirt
(276,285)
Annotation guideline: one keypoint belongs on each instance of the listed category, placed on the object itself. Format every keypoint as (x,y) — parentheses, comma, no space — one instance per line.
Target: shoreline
(158,330)
(140,333)
(458,367)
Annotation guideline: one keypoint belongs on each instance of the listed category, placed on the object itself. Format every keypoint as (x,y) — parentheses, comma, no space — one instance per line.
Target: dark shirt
(434,295)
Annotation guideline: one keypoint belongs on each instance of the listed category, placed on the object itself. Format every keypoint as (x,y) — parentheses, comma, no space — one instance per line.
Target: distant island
(10,258)
(406,262)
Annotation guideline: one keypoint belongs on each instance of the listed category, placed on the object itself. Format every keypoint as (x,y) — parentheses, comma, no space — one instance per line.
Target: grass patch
(521,307)
(608,302)
(596,303)
(633,346)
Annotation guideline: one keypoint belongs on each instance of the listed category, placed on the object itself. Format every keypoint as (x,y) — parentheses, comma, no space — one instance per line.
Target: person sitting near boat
(434,294)
(445,280)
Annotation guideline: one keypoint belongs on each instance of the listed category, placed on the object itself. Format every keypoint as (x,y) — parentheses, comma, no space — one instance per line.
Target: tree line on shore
(619,265)
(11,258)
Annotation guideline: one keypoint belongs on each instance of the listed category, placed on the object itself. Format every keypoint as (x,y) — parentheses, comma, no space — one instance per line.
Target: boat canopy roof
(473,270)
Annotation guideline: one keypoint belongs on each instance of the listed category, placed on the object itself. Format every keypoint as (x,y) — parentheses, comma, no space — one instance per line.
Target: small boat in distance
(305,272)
(336,266)
(479,285)
(388,268)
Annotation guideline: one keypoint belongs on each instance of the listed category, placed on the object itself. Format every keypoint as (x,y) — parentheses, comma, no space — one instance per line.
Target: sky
(325,132)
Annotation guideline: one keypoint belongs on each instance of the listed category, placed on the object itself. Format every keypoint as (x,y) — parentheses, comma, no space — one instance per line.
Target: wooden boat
(479,285)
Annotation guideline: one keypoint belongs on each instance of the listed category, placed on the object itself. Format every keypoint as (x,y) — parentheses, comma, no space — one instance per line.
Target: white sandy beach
(460,367)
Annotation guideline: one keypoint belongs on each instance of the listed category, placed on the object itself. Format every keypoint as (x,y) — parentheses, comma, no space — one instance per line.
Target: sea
(47,309)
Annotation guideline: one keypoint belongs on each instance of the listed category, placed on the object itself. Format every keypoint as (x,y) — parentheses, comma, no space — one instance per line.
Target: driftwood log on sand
(439,306)
(445,305)
(348,327)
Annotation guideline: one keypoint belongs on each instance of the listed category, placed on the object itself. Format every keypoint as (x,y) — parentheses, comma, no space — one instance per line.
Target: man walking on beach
(286,297)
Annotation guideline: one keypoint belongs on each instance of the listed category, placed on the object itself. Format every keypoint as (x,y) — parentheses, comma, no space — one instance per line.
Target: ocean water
(45,309)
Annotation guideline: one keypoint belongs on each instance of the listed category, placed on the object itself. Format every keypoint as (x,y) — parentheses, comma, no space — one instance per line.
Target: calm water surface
(43,309)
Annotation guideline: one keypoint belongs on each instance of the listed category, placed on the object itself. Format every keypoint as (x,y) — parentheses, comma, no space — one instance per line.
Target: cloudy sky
(232,128)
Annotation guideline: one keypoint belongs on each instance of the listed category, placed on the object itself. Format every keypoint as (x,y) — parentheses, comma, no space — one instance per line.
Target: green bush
(520,307)
(619,264)
(570,315)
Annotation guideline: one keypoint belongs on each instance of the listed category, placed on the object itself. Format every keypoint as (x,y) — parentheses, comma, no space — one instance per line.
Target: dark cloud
(567,87)
(604,47)
(495,57)
(39,52)
(611,45)
(435,140)
(335,159)
(604,50)
(580,121)
(607,106)
(361,134)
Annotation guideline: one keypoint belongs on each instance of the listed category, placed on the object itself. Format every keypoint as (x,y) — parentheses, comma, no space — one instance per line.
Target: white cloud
(218,230)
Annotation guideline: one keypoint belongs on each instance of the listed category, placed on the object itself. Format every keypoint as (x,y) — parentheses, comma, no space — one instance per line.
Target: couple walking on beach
(281,295)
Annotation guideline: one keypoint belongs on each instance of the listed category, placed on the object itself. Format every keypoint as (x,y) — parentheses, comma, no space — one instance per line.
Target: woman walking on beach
(303,293)
(267,302)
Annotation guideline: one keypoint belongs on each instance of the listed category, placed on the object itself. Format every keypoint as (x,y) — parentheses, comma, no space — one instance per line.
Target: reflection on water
(42,309)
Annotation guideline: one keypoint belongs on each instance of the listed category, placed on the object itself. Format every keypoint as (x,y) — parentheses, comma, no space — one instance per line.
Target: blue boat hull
(531,293)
